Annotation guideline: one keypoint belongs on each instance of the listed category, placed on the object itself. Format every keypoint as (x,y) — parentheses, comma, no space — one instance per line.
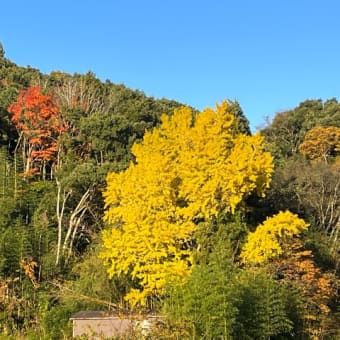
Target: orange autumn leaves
(321,142)
(39,124)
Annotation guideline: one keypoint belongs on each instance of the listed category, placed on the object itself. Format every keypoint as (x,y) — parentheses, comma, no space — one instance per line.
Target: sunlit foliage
(190,168)
(321,142)
(265,242)
(39,124)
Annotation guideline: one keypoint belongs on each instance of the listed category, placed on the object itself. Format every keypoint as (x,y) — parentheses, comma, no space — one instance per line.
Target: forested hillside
(110,199)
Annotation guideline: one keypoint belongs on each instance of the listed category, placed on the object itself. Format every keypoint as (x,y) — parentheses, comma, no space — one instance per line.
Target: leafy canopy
(189,169)
(265,242)
(321,142)
(36,116)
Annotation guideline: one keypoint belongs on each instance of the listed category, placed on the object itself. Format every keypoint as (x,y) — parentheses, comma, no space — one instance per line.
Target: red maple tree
(39,123)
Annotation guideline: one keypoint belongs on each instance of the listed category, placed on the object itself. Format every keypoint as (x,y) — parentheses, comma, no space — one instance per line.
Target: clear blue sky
(269,55)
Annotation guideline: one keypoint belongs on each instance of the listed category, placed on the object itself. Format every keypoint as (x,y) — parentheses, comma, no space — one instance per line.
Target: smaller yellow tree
(265,242)
(321,142)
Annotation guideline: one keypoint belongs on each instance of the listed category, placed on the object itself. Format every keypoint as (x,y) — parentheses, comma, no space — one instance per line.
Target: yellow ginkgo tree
(265,243)
(190,168)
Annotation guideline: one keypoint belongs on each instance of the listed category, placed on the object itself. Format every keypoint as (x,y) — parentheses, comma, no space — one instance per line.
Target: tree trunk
(60,208)
(74,222)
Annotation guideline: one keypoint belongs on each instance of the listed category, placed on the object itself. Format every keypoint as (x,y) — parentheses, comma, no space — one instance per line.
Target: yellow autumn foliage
(265,242)
(190,167)
(320,142)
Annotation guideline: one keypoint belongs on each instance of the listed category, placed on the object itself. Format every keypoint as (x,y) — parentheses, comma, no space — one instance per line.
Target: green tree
(2,51)
(8,133)
(241,121)
(264,307)
(288,129)
(240,303)
(206,304)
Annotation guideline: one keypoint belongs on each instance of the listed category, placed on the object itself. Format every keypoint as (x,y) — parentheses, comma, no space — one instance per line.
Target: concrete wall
(105,327)
(99,328)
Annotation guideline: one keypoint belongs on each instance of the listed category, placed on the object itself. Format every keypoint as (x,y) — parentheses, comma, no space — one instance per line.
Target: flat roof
(110,314)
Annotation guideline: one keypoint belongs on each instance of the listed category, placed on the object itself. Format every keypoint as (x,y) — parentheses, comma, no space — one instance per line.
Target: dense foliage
(112,199)
(191,168)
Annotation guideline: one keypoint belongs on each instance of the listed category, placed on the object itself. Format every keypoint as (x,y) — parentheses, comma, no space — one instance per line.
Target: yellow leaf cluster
(191,167)
(320,142)
(265,242)
(29,266)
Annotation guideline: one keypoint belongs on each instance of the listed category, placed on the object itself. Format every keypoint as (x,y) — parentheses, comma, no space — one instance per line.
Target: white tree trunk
(60,208)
